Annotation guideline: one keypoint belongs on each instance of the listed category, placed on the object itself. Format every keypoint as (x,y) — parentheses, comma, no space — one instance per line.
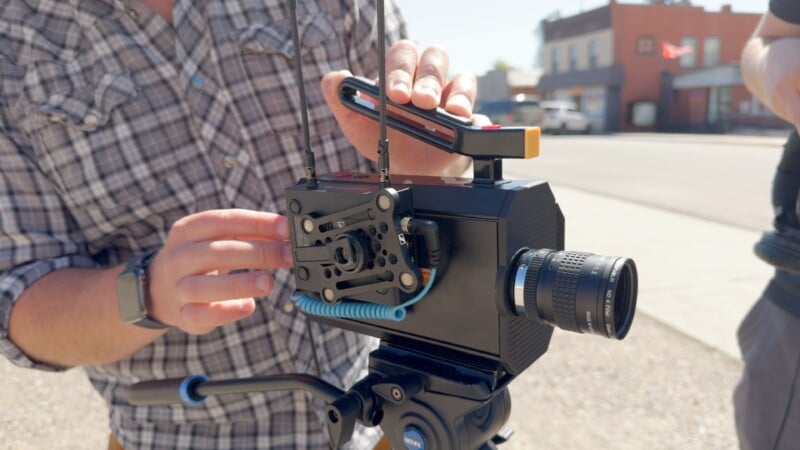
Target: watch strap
(142,262)
(152,324)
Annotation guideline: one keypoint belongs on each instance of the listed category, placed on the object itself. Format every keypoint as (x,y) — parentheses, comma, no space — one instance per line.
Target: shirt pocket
(268,56)
(83,138)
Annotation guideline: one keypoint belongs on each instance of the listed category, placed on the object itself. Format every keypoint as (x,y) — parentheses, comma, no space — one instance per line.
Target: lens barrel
(576,291)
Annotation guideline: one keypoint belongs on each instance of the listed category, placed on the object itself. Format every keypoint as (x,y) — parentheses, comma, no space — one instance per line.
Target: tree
(503,66)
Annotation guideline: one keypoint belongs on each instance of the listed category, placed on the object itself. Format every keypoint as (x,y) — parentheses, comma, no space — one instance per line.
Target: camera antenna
(383,141)
(308,154)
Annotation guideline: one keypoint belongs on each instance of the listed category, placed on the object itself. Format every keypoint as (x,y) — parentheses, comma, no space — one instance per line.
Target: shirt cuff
(12,285)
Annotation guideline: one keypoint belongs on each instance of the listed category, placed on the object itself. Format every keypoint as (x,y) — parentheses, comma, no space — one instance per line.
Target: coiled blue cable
(359,310)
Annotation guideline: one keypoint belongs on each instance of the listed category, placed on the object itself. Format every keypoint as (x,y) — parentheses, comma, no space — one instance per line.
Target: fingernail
(288,255)
(262,283)
(282,228)
(425,90)
(401,85)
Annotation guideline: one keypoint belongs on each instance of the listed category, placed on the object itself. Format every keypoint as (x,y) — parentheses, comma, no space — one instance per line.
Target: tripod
(420,402)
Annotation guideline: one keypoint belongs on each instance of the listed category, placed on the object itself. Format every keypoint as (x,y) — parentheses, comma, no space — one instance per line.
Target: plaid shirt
(114,124)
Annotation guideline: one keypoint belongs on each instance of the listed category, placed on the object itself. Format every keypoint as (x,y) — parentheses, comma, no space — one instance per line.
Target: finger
(230,224)
(459,95)
(330,91)
(430,78)
(359,129)
(200,318)
(223,256)
(215,288)
(401,67)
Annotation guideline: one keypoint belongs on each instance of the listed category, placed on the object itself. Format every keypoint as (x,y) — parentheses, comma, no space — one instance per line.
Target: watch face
(131,308)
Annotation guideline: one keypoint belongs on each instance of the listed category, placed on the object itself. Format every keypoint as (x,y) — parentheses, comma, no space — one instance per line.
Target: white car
(564,117)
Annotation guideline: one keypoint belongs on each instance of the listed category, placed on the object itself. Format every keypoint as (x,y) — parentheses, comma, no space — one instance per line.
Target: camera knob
(349,253)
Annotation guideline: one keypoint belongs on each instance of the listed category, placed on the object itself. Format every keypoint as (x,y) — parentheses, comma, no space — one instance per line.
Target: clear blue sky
(478,33)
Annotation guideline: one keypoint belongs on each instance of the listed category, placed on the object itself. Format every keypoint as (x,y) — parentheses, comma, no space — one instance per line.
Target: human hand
(191,286)
(419,78)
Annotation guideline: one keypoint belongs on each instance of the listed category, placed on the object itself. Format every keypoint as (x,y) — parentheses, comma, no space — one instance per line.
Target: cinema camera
(462,280)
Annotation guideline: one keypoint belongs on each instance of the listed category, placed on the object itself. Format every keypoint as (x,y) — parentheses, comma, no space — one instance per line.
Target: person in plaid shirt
(128,126)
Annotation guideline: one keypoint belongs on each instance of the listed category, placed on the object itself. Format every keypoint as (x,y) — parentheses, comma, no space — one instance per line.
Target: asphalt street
(686,208)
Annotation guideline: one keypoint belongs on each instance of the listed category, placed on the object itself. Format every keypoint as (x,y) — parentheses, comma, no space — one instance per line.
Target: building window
(711,52)
(554,60)
(646,45)
(592,54)
(573,57)
(689,59)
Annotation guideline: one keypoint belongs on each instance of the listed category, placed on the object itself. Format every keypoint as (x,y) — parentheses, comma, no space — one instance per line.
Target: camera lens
(576,291)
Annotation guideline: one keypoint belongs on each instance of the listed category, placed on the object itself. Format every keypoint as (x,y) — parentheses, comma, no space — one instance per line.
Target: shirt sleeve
(37,236)
(787,10)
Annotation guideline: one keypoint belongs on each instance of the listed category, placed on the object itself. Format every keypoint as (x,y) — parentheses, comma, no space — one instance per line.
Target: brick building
(645,67)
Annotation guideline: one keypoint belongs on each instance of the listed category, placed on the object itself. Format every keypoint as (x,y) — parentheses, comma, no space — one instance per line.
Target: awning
(728,75)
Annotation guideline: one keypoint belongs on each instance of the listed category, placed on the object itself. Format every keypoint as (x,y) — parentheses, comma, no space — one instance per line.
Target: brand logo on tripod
(413,439)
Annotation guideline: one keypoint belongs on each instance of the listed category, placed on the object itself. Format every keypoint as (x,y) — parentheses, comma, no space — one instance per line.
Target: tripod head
(420,402)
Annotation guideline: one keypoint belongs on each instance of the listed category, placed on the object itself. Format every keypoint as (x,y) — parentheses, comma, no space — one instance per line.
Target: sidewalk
(768,138)
(696,276)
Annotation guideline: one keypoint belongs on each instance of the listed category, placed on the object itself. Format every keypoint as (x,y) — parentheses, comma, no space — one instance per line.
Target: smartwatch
(133,292)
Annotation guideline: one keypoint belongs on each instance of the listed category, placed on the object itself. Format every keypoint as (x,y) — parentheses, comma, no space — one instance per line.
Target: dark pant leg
(767,398)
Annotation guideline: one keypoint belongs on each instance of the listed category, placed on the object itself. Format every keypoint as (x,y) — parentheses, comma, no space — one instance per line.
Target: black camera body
(462,280)
(467,316)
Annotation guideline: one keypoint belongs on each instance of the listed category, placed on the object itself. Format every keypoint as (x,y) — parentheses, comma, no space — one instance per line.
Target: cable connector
(429,231)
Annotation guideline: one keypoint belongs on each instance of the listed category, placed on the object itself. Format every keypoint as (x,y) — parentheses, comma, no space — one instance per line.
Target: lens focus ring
(565,288)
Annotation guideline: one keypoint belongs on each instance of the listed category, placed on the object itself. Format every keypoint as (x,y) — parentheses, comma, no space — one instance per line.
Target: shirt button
(229,161)
(133,13)
(90,121)
(198,81)
(288,307)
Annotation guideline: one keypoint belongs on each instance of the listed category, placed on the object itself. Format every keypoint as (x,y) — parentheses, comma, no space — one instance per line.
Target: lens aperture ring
(532,282)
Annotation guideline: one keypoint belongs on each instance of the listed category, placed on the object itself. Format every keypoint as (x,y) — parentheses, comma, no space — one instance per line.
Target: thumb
(347,119)
(330,88)
(358,128)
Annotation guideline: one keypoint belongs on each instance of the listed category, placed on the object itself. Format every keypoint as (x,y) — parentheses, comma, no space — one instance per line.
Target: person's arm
(771,67)
(69,317)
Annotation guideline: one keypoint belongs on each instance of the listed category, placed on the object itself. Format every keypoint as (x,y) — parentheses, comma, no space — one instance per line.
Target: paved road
(724,179)
(667,386)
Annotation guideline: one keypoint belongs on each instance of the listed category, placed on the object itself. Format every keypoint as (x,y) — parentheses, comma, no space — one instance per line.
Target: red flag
(669,51)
